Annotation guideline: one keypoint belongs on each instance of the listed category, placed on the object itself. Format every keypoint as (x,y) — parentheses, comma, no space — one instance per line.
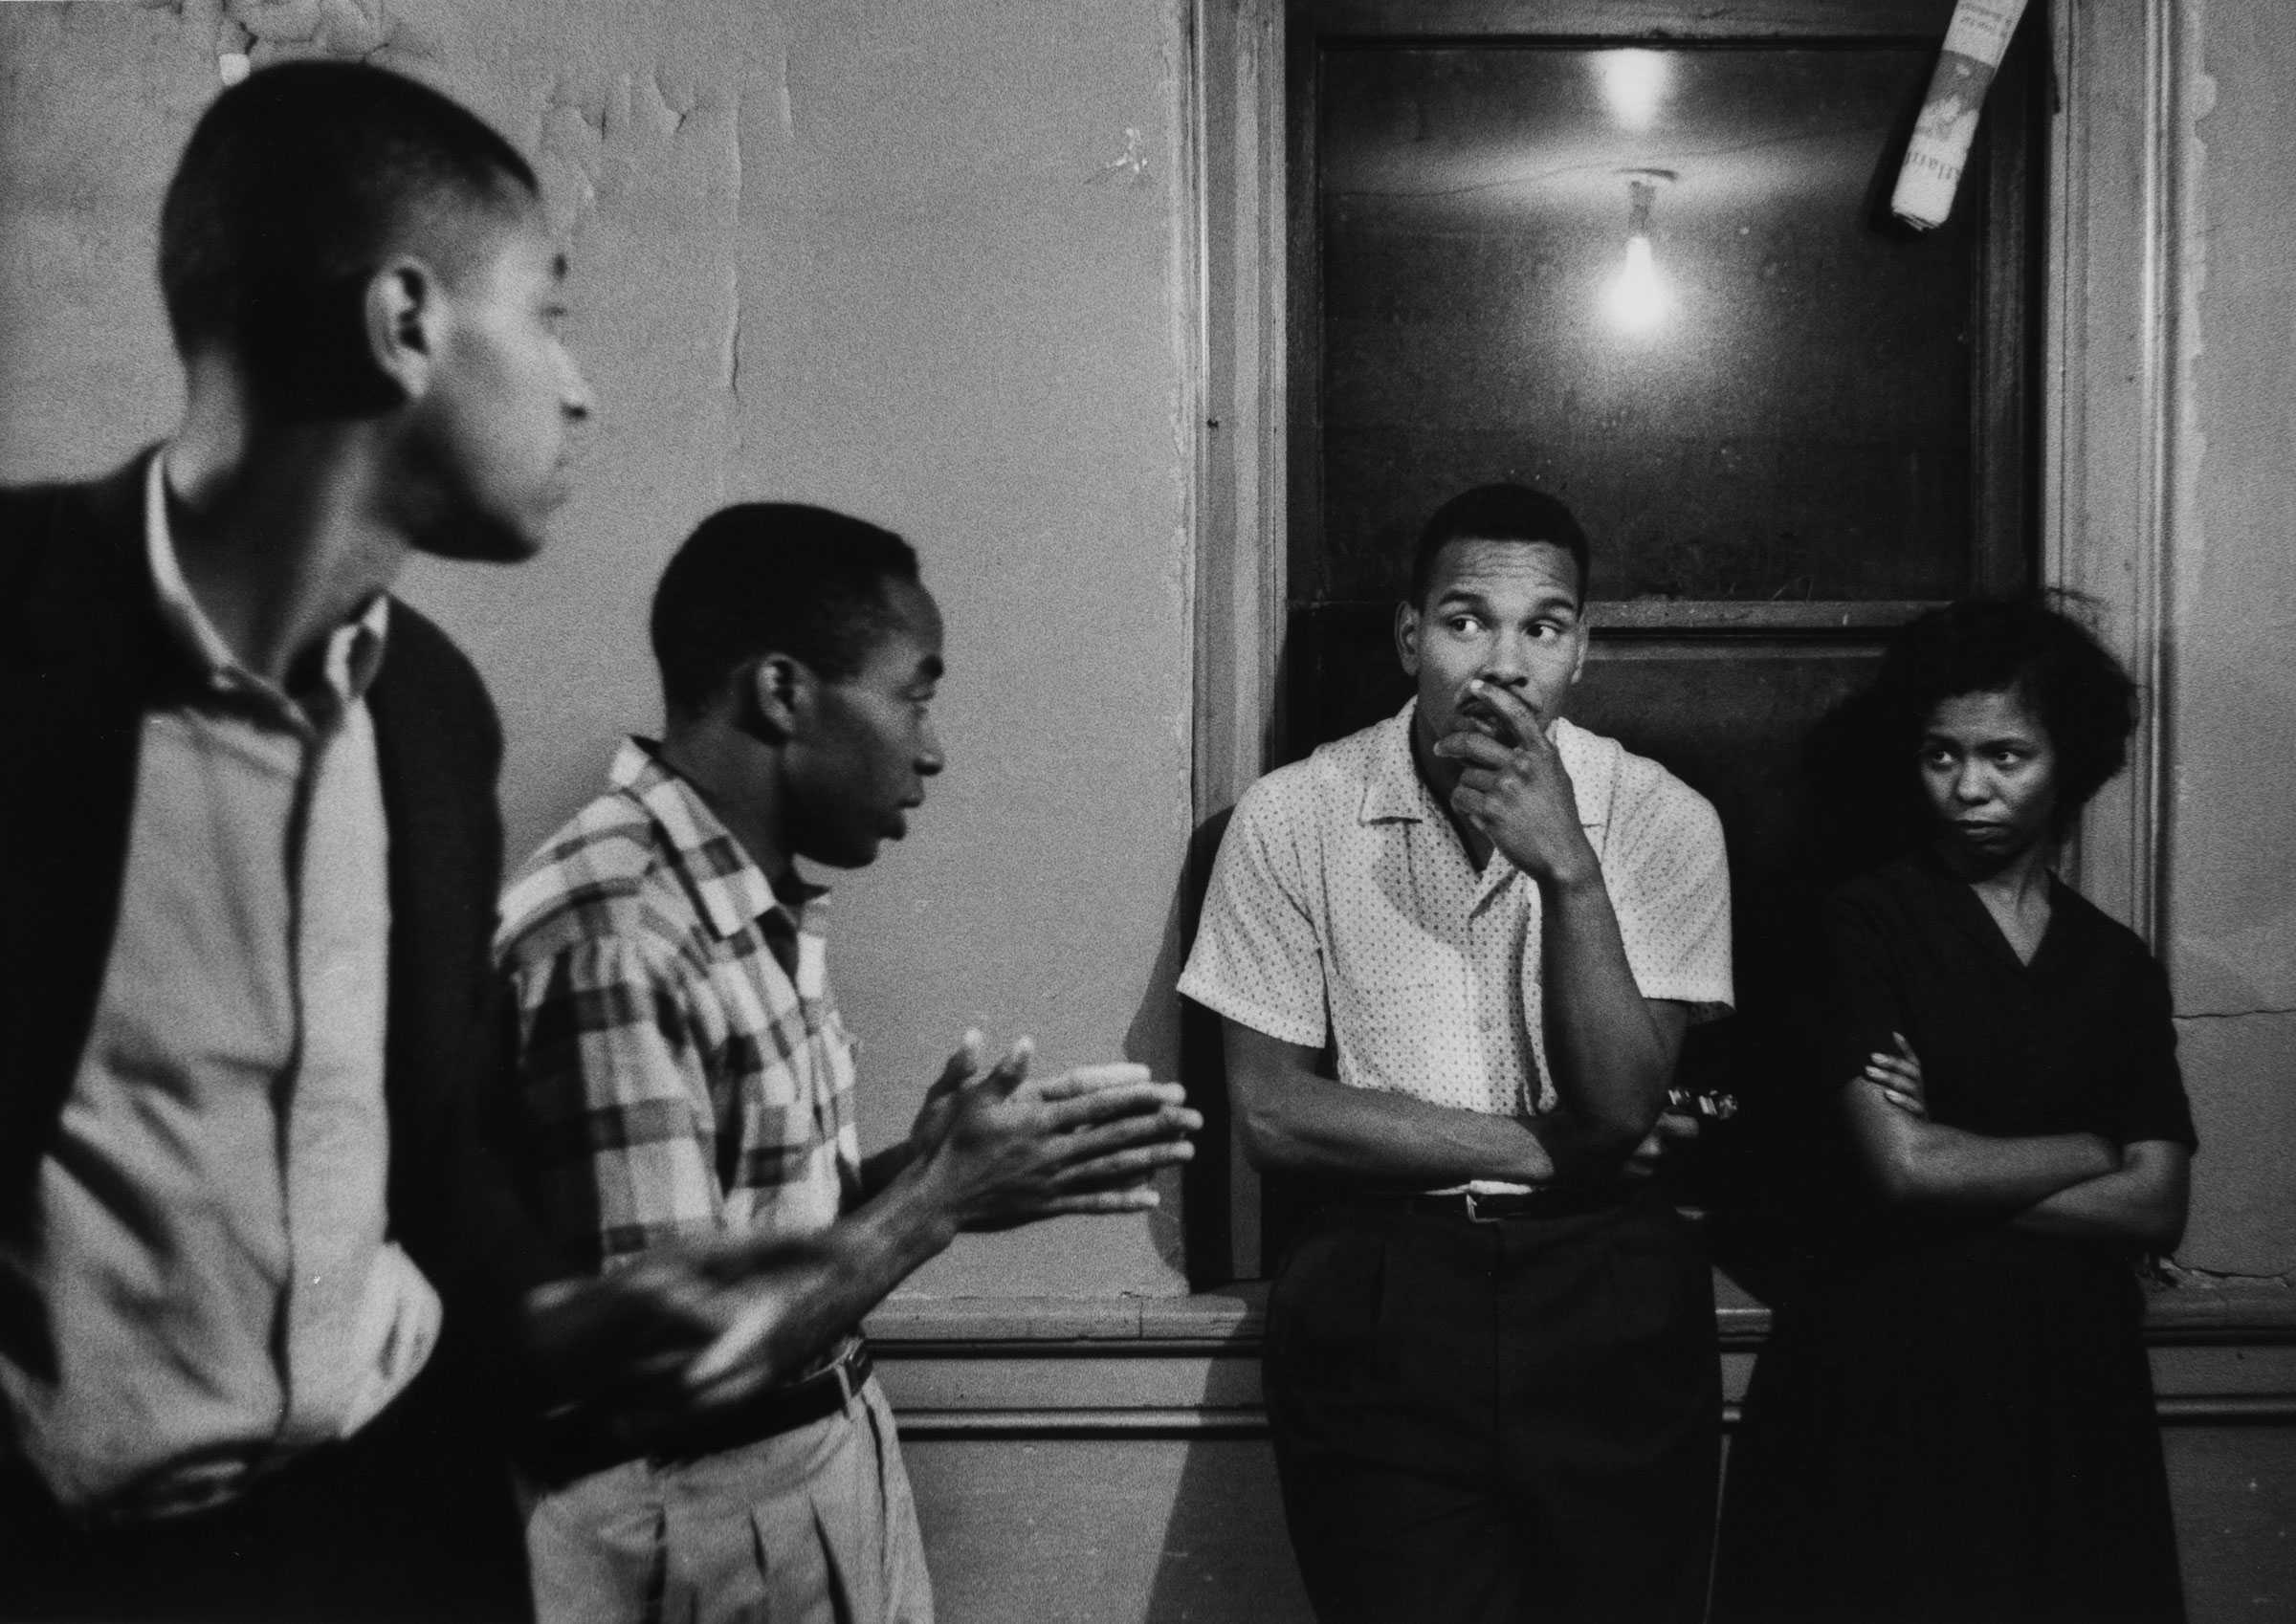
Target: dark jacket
(82,656)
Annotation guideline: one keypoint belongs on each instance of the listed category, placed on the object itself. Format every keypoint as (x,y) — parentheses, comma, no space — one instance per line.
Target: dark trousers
(1499,1421)
(408,1522)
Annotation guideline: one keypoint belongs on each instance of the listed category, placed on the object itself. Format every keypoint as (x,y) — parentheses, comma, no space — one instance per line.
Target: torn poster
(1973,45)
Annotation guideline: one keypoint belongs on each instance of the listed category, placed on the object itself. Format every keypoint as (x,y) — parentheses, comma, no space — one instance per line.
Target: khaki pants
(815,1524)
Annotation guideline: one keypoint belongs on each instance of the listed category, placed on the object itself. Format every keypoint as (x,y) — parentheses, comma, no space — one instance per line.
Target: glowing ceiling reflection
(1634,82)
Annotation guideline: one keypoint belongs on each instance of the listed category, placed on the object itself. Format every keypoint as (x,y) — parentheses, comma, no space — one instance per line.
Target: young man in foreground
(267,1307)
(1491,1366)
(684,1074)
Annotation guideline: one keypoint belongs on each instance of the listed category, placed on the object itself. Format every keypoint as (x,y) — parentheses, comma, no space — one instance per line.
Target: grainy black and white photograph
(1147,812)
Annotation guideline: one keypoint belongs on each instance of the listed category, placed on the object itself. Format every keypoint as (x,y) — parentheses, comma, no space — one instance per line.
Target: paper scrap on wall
(1973,45)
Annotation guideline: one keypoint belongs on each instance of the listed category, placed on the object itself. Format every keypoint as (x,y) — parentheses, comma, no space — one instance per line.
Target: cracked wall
(2230,883)
(918,261)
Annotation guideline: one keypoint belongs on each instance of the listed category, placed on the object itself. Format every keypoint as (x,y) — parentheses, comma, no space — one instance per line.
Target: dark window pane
(1797,424)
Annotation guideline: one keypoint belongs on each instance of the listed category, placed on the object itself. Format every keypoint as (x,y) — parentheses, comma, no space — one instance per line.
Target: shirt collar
(733,890)
(1396,793)
(354,649)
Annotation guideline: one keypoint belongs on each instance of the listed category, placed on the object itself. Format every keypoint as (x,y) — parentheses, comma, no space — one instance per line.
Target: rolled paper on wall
(1973,45)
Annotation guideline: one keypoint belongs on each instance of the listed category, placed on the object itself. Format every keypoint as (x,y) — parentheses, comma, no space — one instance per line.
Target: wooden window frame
(1999,409)
(2121,157)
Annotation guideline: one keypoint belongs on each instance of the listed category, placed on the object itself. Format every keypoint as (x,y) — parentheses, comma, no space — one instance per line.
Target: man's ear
(779,697)
(1407,637)
(406,319)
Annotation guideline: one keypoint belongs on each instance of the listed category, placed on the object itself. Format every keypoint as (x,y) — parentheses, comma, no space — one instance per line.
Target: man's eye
(1464,624)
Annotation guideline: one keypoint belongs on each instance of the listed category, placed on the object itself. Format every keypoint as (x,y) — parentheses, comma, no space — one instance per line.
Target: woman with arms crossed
(1957,1425)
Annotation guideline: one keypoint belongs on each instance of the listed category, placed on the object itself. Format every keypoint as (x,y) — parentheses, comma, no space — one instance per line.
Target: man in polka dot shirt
(1489,1364)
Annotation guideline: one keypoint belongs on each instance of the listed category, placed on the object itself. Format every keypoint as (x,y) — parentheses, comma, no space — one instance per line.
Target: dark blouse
(2080,1039)
(1956,1422)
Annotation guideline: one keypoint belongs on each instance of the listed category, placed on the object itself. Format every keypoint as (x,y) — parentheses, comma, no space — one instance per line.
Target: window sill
(1186,1369)
(1229,1321)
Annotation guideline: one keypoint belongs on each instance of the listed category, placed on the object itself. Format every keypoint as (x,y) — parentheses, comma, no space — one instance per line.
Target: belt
(1562,1200)
(591,1438)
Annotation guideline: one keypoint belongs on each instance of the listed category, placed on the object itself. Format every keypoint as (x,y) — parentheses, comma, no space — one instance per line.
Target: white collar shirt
(1343,910)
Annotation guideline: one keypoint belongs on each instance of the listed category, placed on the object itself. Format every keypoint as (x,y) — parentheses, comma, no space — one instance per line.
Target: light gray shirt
(209,1242)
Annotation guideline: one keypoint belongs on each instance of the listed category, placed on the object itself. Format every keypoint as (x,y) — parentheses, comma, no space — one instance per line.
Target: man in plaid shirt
(684,1075)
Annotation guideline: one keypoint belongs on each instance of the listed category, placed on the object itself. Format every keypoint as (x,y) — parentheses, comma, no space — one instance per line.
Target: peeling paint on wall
(368,32)
(1130,165)
(825,249)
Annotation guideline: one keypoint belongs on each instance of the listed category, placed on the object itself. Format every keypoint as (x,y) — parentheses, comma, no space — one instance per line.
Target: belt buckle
(1474,1213)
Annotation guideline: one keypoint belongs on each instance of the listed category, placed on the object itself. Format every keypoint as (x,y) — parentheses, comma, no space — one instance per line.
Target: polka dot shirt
(1343,908)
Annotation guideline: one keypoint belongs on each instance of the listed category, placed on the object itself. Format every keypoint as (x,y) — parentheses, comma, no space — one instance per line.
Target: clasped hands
(1002,1149)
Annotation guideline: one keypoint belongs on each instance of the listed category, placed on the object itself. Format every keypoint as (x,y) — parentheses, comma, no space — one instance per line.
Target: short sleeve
(2150,1102)
(1258,958)
(613,1096)
(1669,877)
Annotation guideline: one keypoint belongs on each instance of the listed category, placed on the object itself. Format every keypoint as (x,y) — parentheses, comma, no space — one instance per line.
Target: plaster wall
(913,259)
(1163,1531)
(918,261)
(2230,878)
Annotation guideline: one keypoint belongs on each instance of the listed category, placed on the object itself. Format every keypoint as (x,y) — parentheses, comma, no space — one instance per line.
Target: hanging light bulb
(1638,299)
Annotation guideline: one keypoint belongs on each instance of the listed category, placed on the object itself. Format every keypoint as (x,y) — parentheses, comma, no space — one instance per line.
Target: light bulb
(1638,300)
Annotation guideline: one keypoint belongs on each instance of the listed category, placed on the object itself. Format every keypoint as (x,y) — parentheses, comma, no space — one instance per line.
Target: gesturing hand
(761,1284)
(626,1333)
(1518,794)
(963,1071)
(1898,1076)
(1005,1149)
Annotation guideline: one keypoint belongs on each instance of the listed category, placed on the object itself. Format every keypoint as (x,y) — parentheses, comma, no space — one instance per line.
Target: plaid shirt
(683,1071)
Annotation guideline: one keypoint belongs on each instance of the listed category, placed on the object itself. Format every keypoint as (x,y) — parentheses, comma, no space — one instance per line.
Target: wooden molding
(1235,95)
(1669,21)
(2116,282)
(1188,1367)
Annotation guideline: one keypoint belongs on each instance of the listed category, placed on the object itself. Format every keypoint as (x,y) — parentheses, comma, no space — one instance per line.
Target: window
(1787,427)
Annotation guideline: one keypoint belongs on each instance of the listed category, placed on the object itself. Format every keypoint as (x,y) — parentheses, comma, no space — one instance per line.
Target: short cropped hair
(760,578)
(1496,512)
(2024,646)
(296,187)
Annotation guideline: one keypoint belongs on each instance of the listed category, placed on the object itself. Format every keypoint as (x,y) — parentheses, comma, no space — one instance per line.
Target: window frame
(2000,407)
(2116,225)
